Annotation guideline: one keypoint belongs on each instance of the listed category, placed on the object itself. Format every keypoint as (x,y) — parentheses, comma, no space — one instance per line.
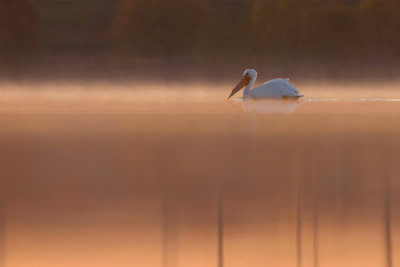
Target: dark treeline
(279,32)
(20,34)
(286,34)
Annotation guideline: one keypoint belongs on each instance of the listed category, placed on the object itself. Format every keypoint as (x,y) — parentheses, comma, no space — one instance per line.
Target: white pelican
(277,88)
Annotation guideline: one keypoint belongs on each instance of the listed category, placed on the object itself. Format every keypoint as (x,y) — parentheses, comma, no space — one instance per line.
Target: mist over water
(172,174)
(118,146)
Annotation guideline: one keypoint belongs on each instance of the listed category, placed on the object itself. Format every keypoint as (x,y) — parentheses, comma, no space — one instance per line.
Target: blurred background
(118,146)
(309,38)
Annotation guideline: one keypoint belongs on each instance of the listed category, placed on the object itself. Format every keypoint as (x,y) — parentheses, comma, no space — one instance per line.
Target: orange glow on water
(96,175)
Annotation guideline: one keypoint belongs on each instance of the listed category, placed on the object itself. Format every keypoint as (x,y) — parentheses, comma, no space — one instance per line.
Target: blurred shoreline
(199,40)
(106,69)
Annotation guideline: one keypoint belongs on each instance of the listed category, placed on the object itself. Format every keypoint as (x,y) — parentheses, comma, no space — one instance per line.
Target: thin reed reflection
(198,183)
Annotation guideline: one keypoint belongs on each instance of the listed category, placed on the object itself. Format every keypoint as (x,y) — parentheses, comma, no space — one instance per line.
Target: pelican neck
(249,86)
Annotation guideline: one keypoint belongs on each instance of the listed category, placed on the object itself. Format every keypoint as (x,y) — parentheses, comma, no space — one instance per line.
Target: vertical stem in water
(298,228)
(315,223)
(297,192)
(220,229)
(388,226)
(170,226)
(2,240)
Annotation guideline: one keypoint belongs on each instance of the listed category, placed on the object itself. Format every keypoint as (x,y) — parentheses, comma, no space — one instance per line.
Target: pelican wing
(276,88)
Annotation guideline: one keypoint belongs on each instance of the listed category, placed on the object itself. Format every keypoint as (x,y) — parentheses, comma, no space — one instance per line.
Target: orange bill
(242,83)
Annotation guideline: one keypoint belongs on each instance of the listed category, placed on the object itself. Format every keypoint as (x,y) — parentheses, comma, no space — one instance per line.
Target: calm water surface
(165,176)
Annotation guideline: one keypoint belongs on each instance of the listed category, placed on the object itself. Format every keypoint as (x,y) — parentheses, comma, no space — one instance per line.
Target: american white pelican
(277,88)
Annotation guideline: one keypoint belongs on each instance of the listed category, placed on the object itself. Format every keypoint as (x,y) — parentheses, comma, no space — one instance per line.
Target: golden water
(175,175)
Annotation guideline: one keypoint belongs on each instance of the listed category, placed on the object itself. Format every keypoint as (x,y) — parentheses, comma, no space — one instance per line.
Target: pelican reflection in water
(268,106)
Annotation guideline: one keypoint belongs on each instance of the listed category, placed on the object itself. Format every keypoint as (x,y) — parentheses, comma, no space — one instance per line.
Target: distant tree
(156,27)
(251,31)
(20,32)
(225,33)
(335,31)
(379,26)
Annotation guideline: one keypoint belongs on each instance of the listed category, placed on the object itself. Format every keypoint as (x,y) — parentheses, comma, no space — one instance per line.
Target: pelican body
(277,88)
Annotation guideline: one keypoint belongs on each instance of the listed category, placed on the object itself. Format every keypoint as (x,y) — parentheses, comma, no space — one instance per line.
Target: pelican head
(248,75)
